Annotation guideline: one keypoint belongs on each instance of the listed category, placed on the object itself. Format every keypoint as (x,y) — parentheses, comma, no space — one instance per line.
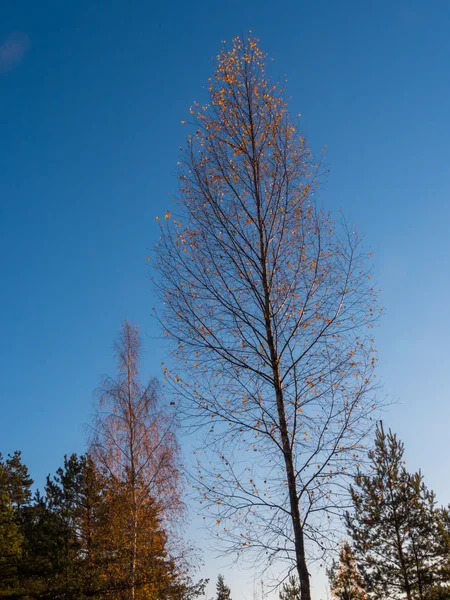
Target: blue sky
(91,99)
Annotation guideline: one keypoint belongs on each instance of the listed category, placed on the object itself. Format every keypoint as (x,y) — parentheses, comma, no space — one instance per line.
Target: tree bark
(302,569)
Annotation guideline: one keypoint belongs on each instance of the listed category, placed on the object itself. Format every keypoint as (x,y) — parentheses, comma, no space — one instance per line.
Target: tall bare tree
(270,307)
(134,444)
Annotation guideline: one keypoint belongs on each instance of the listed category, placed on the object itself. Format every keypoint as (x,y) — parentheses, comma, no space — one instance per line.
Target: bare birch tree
(134,444)
(270,308)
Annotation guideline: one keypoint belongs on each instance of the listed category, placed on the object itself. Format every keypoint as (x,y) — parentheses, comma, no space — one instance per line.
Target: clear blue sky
(91,99)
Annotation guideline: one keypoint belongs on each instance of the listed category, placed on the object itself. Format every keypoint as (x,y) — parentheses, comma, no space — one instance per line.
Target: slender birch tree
(270,307)
(135,446)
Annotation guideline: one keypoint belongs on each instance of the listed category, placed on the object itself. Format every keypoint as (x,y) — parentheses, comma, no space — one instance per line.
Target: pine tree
(223,592)
(394,525)
(11,541)
(441,591)
(73,542)
(62,493)
(346,582)
(15,480)
(42,550)
(75,497)
(15,494)
(290,589)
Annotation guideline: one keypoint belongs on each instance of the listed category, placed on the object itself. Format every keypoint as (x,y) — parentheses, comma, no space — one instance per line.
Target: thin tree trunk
(133,556)
(305,592)
(135,446)
(133,483)
(402,561)
(302,569)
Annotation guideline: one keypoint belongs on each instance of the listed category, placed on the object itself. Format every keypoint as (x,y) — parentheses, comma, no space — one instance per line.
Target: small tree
(223,592)
(395,525)
(346,582)
(270,307)
(290,589)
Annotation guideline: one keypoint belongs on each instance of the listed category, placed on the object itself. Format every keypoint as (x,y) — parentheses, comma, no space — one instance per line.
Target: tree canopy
(270,307)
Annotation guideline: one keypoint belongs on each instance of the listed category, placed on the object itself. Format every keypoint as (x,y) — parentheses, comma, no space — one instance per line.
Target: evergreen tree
(290,589)
(11,541)
(58,557)
(42,550)
(346,582)
(73,542)
(15,494)
(394,526)
(223,592)
(15,480)
(75,497)
(62,500)
(441,591)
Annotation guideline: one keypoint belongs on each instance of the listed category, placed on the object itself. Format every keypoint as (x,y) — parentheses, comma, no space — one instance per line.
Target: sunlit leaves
(268,302)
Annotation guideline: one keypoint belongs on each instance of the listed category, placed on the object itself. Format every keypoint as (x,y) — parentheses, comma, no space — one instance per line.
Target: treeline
(106,524)
(398,537)
(73,541)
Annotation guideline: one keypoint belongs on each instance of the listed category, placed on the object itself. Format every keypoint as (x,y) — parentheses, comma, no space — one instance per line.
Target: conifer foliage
(69,542)
(223,592)
(396,527)
(15,495)
(290,589)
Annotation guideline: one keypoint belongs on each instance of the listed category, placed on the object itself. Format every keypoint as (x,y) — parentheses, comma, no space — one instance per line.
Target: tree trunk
(305,592)
(132,476)
(133,558)
(419,572)
(403,566)
(302,569)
